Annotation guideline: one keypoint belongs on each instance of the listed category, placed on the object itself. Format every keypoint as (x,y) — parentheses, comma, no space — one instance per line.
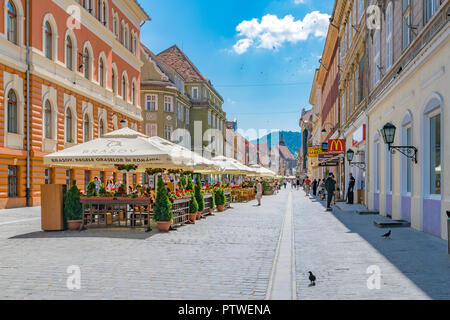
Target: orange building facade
(83,69)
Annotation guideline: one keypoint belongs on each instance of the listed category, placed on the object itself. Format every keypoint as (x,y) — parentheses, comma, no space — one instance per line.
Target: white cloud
(242,45)
(272,32)
(299,1)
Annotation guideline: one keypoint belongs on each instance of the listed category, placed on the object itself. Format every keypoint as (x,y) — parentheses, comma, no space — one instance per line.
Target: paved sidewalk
(339,247)
(228,256)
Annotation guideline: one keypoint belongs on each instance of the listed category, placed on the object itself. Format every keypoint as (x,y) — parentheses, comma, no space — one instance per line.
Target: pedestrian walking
(298,183)
(307,183)
(314,187)
(351,186)
(259,192)
(330,186)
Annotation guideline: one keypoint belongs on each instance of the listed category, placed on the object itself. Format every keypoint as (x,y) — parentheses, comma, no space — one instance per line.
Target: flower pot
(211,211)
(192,217)
(74,225)
(199,215)
(163,226)
(221,208)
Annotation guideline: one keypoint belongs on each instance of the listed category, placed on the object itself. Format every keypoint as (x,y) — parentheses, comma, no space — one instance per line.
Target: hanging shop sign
(313,152)
(325,156)
(329,164)
(336,146)
(359,135)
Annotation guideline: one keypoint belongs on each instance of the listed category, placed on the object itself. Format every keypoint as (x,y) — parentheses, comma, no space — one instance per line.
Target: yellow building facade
(411,92)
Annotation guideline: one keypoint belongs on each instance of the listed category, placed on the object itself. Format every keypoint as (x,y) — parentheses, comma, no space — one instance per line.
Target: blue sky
(263,70)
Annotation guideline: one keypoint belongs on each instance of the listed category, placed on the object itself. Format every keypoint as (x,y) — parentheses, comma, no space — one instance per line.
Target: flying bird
(387,235)
(312,278)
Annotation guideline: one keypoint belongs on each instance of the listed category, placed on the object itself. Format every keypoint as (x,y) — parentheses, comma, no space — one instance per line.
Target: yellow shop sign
(313,152)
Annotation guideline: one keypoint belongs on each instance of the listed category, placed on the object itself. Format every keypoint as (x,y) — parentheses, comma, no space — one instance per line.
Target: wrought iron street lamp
(388,133)
(350,156)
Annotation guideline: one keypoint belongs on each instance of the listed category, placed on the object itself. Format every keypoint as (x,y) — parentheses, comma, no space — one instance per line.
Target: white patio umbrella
(124,146)
(262,172)
(189,158)
(231,166)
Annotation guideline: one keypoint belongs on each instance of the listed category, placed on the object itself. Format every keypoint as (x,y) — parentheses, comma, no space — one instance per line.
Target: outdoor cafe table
(116,212)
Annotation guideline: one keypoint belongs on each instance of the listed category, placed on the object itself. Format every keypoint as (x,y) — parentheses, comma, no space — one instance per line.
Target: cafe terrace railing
(116,212)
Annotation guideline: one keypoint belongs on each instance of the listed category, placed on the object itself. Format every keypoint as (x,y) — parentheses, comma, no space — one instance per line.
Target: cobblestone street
(227,256)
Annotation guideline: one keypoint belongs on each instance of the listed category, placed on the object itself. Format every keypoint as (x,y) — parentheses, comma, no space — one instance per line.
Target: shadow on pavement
(421,257)
(91,233)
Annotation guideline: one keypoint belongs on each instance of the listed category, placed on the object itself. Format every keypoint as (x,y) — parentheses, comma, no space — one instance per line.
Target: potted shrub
(182,183)
(212,204)
(199,197)
(190,185)
(193,209)
(220,199)
(73,211)
(163,208)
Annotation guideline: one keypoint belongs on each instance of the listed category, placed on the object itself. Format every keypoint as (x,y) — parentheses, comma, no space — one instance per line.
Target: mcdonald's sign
(336,146)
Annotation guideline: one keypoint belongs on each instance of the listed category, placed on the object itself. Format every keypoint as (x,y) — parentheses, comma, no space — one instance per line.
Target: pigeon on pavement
(387,235)
(312,278)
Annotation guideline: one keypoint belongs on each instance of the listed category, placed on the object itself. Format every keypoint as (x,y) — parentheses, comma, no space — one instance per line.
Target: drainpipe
(27,18)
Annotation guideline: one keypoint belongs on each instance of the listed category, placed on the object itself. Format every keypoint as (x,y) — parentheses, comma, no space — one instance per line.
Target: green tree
(212,202)
(182,182)
(199,194)
(220,197)
(190,185)
(193,205)
(163,206)
(72,206)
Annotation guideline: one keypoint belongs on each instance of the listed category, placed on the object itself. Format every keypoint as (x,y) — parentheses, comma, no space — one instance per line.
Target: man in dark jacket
(351,186)
(314,186)
(330,186)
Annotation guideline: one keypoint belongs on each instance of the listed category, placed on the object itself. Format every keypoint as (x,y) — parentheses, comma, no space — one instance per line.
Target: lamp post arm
(408,151)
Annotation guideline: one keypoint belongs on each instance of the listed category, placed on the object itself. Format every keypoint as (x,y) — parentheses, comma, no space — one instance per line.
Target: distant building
(206,112)
(166,108)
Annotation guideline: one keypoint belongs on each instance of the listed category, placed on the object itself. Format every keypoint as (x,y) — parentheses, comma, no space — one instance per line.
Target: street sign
(324,156)
(313,152)
(324,147)
(329,164)
(336,146)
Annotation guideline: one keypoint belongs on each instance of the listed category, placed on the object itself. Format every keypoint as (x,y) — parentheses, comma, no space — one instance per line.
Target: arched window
(69,53)
(122,33)
(99,10)
(376,58)
(101,73)
(12,23)
(104,13)
(113,78)
(86,65)
(48,41)
(101,128)
(48,120)
(389,37)
(127,38)
(124,88)
(12,112)
(133,93)
(69,137)
(87,126)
